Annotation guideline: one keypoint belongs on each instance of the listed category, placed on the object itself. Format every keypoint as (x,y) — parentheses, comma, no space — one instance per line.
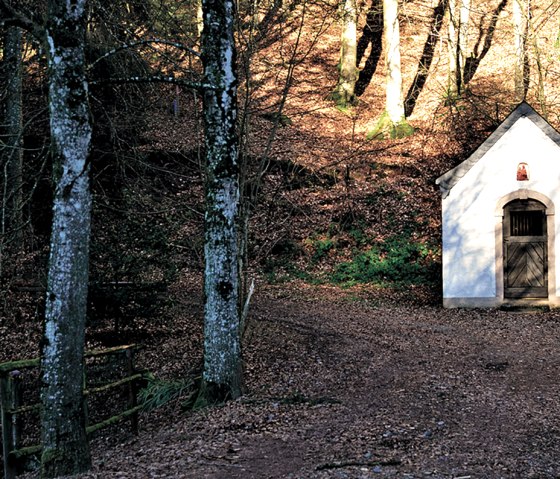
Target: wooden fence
(12,409)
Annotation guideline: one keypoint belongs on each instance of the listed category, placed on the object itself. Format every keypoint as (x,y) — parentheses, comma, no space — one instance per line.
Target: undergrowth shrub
(132,263)
(281,264)
(280,270)
(321,248)
(398,259)
(158,392)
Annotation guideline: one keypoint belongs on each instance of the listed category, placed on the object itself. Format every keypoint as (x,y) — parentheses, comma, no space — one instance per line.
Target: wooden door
(525,250)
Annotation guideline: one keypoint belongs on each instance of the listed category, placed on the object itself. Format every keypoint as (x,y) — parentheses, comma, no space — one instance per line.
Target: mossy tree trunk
(222,350)
(65,446)
(392,123)
(12,157)
(344,95)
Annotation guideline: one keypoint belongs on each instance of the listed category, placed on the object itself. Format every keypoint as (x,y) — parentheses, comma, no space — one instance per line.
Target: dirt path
(347,390)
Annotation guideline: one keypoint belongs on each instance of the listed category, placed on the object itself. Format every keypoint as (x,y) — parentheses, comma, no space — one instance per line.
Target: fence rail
(11,408)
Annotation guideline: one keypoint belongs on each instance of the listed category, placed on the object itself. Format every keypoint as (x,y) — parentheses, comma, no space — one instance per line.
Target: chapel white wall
(468,212)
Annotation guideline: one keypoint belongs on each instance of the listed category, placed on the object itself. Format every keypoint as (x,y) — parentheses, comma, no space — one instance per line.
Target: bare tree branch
(157,79)
(149,41)
(10,16)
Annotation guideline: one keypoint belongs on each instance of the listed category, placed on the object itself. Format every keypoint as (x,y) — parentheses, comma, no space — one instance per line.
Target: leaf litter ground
(342,385)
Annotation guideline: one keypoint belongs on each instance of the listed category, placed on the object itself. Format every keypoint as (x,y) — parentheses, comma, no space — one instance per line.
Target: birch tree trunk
(65,446)
(344,94)
(12,158)
(222,350)
(394,98)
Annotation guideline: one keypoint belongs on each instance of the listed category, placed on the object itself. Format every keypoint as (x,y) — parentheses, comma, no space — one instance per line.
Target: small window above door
(525,218)
(526,223)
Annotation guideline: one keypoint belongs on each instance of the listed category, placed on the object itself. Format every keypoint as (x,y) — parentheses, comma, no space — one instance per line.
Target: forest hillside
(352,368)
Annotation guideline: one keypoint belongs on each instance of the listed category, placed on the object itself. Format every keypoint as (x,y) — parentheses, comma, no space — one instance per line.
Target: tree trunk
(463,41)
(65,446)
(371,34)
(344,94)
(541,74)
(12,220)
(199,18)
(222,350)
(520,27)
(453,83)
(392,123)
(394,97)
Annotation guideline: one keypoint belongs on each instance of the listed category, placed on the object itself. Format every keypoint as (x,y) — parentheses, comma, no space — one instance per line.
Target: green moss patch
(386,129)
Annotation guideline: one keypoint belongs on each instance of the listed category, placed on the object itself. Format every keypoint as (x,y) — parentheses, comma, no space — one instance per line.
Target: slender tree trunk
(392,123)
(453,86)
(65,446)
(371,34)
(463,40)
(12,220)
(425,63)
(199,18)
(222,350)
(344,94)
(541,73)
(394,97)
(520,27)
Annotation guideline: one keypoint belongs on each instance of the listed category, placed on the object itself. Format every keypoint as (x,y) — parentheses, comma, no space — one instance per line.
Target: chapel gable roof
(452,177)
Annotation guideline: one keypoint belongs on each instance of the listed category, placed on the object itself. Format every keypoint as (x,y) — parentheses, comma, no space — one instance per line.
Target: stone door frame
(524,194)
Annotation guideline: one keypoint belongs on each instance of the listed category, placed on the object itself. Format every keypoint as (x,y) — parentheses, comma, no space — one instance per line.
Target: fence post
(8,435)
(132,402)
(85,396)
(15,377)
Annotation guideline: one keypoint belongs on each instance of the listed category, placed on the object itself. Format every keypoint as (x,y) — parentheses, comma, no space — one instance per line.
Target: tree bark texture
(463,40)
(520,30)
(199,18)
(391,33)
(65,446)
(453,84)
(222,350)
(348,72)
(12,155)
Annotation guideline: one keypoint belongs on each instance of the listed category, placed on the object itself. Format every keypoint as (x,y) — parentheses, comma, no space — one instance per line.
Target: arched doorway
(525,248)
